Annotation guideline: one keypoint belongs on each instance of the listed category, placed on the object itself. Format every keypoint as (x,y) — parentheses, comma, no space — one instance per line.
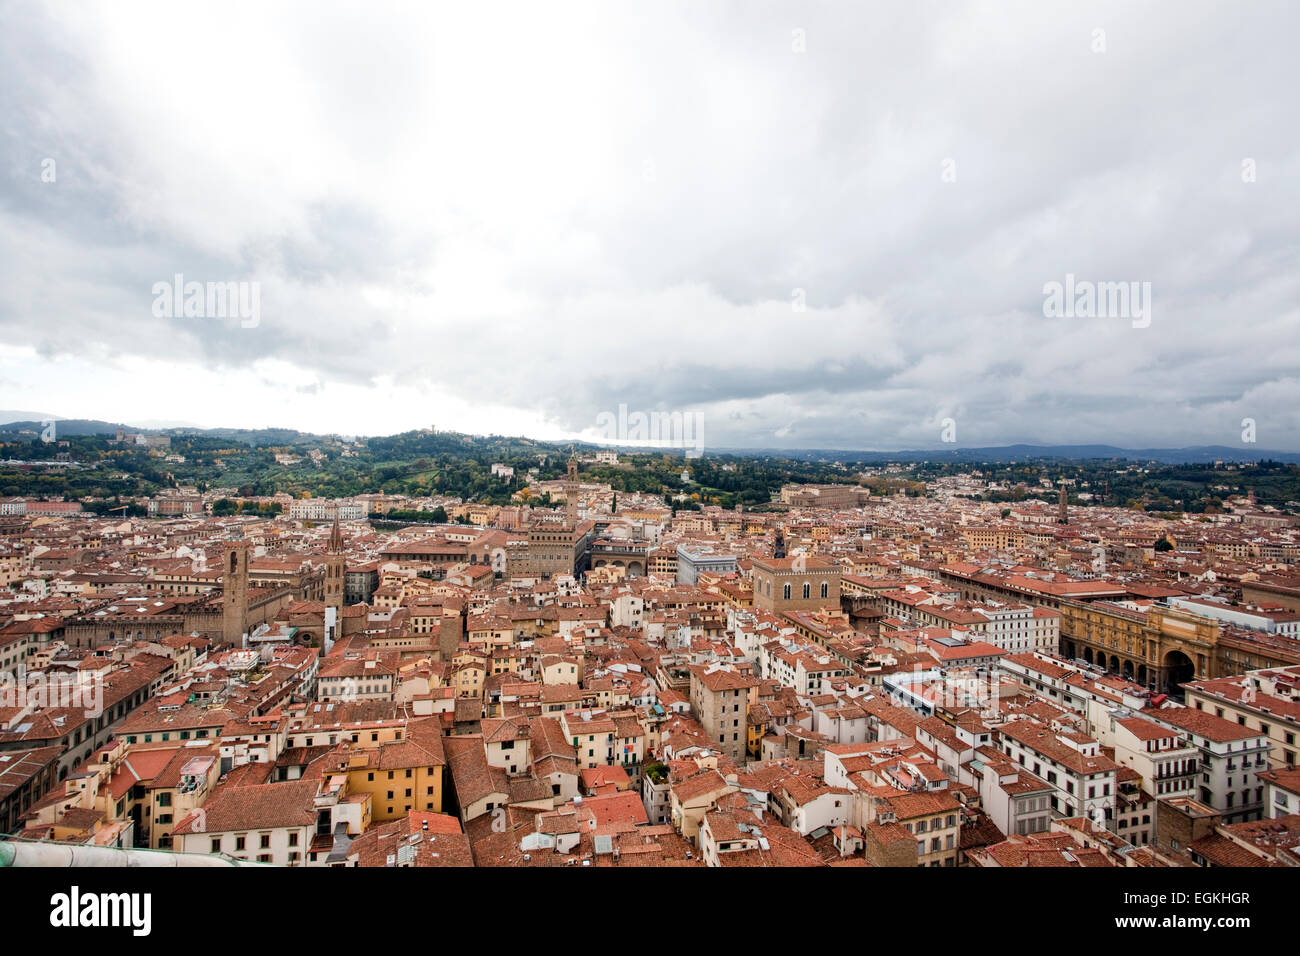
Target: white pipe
(24,853)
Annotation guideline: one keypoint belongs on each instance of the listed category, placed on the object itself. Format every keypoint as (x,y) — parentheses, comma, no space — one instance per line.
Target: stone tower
(1063,507)
(234,589)
(571,491)
(334,560)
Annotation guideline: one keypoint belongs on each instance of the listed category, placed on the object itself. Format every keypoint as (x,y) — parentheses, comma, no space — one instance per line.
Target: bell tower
(234,589)
(334,567)
(571,491)
(334,560)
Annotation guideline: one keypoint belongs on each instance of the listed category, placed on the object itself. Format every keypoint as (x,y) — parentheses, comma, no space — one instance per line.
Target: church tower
(334,565)
(1063,507)
(234,589)
(334,560)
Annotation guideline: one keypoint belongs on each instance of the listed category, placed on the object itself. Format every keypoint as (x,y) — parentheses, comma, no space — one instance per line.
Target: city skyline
(687,440)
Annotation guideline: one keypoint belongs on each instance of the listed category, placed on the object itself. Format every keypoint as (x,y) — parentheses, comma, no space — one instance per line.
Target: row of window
(263,842)
(371,776)
(807,590)
(935,824)
(333,739)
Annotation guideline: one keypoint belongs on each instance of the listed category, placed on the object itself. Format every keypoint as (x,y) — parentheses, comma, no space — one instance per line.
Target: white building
(1281,792)
(1165,759)
(1018,802)
(1232,756)
(325,509)
(1081,777)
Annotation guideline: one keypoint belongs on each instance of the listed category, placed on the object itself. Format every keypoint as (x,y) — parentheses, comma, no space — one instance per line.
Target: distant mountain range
(25,417)
(67,426)
(1001,453)
(17,422)
(91,426)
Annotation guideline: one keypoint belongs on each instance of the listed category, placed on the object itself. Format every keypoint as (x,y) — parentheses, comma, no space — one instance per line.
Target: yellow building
(468,674)
(490,630)
(178,789)
(508,660)
(400,775)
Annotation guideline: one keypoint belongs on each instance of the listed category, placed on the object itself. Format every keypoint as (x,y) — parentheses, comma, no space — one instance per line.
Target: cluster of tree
(437,516)
(72,485)
(224,507)
(1191,489)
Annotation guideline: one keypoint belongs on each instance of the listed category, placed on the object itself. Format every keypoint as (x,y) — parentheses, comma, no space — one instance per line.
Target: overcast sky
(509,219)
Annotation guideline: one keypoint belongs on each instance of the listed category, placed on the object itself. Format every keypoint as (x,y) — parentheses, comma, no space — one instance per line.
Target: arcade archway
(1179,669)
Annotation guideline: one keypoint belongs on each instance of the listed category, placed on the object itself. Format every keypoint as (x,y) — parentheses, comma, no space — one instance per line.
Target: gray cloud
(601,206)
